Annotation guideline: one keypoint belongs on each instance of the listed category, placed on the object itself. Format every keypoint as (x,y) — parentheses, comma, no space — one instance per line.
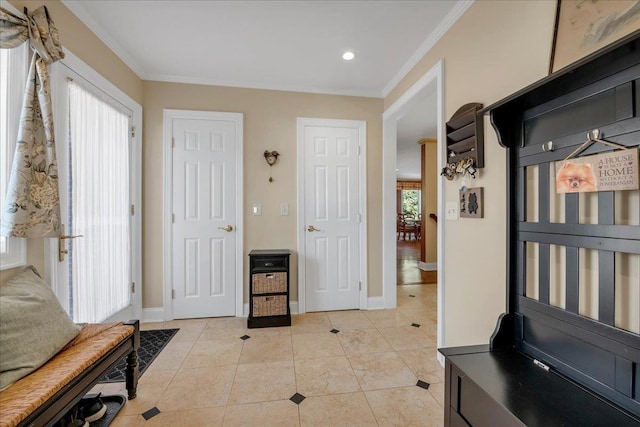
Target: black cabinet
(269,288)
(507,388)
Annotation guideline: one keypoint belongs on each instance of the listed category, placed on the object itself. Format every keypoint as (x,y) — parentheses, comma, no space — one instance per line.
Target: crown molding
(258,85)
(81,13)
(452,17)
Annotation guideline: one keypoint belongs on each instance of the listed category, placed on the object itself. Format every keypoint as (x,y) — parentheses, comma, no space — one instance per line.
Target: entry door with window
(204,217)
(94,255)
(331,253)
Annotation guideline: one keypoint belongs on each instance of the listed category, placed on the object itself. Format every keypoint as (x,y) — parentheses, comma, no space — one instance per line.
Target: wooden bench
(44,396)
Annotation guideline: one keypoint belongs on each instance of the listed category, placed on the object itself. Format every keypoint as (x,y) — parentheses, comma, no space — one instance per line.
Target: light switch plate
(451,211)
(284,209)
(257,209)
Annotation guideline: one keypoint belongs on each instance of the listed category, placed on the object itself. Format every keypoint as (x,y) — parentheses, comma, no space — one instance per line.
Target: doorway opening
(405,122)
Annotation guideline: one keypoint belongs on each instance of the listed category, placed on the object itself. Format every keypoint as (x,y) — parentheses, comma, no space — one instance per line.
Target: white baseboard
(440,357)
(155,314)
(375,303)
(293,307)
(427,266)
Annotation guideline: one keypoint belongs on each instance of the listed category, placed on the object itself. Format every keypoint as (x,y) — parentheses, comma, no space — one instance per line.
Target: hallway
(408,273)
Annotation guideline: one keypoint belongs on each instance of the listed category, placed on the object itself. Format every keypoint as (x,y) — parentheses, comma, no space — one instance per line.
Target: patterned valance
(32,204)
(408,185)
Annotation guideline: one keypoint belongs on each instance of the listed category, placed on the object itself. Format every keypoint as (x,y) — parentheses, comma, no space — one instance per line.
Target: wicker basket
(274,305)
(265,283)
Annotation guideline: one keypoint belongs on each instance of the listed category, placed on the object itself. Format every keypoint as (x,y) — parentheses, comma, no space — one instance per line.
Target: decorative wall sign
(471,202)
(617,170)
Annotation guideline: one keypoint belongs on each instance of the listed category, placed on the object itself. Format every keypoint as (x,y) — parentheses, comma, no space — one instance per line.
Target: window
(13,75)
(411,202)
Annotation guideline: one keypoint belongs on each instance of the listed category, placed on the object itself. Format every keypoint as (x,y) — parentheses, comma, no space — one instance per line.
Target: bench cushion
(25,395)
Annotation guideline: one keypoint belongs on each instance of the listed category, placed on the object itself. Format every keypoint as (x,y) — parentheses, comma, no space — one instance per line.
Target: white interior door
(331,225)
(94,260)
(205,218)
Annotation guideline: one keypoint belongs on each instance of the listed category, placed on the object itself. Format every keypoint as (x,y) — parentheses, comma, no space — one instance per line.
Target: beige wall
(430,196)
(269,123)
(494,49)
(77,38)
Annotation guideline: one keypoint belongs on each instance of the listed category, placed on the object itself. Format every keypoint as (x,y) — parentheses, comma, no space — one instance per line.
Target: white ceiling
(282,45)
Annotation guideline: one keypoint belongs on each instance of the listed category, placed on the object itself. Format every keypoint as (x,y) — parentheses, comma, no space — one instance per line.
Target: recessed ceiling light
(348,55)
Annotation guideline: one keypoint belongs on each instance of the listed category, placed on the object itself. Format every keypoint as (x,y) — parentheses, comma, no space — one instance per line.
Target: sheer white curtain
(98,207)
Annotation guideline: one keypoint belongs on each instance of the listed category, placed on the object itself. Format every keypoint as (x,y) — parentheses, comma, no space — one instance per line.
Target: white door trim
(362,203)
(389,145)
(168,116)
(75,64)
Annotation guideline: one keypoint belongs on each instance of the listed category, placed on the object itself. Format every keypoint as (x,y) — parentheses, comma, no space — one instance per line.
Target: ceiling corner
(454,14)
(81,13)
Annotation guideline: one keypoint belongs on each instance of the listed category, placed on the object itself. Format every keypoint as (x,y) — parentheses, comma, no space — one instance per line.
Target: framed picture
(584,26)
(471,202)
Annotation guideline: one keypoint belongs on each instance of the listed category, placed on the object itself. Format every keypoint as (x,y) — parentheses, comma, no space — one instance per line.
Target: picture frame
(472,202)
(584,26)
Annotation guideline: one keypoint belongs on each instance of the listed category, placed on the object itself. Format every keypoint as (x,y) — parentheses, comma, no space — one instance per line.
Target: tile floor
(364,375)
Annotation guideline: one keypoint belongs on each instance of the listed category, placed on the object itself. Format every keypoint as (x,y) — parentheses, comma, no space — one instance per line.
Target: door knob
(62,251)
(228,228)
(311,229)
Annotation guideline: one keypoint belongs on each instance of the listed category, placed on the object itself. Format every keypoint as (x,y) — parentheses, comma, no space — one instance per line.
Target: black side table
(269,288)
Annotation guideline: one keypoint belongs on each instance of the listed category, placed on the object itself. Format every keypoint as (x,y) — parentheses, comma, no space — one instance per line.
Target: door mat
(114,403)
(151,344)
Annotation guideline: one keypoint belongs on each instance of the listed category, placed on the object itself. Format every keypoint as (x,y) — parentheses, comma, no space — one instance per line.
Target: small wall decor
(271,157)
(617,170)
(471,202)
(582,27)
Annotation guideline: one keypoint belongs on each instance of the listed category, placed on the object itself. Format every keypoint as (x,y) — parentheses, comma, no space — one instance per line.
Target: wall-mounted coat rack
(465,135)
